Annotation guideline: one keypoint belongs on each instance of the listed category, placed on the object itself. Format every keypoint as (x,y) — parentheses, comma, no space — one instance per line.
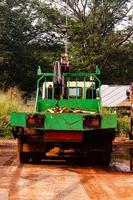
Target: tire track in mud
(94,190)
(121,183)
(94,186)
(97,182)
(14,183)
(10,161)
(37,182)
(61,181)
(9,168)
(100,183)
(8,152)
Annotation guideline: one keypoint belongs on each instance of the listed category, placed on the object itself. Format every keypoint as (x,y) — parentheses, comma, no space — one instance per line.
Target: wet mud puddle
(120,160)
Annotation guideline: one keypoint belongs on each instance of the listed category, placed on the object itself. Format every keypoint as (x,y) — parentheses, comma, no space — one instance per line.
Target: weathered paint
(109,121)
(63,136)
(83,104)
(18,119)
(63,121)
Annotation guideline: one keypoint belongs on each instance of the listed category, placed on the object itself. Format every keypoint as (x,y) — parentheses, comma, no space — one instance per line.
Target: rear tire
(105,158)
(36,157)
(100,158)
(24,157)
(98,144)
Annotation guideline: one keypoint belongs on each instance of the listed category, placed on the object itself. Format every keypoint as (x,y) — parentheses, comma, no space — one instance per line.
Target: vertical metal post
(92,89)
(63,85)
(45,88)
(68,87)
(53,89)
(37,94)
(84,88)
(76,88)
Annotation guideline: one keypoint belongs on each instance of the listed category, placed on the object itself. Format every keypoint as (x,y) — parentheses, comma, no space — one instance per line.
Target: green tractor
(68,115)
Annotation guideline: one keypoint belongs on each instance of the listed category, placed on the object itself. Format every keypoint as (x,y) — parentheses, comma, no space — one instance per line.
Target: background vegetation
(10,101)
(31,34)
(124,126)
(123,121)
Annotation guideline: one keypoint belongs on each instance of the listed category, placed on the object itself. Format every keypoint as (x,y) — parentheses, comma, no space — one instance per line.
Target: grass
(123,128)
(107,111)
(10,101)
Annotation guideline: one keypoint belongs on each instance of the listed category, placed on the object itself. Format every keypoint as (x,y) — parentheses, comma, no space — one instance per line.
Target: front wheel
(24,157)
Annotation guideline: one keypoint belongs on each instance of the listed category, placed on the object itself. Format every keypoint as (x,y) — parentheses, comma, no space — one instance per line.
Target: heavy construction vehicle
(68,115)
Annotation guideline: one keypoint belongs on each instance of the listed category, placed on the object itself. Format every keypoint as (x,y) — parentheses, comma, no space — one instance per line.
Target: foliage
(119,71)
(26,40)
(123,121)
(97,36)
(10,101)
(107,111)
(123,125)
(31,35)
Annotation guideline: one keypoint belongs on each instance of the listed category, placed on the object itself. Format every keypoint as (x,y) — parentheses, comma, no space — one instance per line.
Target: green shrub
(123,122)
(10,101)
(107,111)
(123,127)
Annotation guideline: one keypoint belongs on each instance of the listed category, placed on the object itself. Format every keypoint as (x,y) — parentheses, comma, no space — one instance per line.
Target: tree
(31,35)
(26,40)
(96,33)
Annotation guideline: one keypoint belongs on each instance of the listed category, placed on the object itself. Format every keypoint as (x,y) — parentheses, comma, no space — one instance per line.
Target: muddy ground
(63,179)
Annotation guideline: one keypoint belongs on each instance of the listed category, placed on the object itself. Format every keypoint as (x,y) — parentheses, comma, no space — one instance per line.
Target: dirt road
(61,180)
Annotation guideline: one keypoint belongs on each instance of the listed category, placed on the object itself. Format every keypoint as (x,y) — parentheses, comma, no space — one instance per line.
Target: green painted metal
(37,93)
(67,121)
(76,87)
(64,121)
(18,119)
(76,75)
(39,71)
(109,121)
(79,74)
(68,87)
(83,104)
(98,72)
(41,76)
(84,88)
